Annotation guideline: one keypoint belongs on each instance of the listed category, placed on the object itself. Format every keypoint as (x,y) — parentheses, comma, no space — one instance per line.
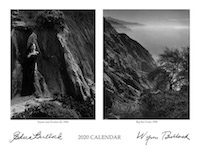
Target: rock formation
(126,64)
(65,65)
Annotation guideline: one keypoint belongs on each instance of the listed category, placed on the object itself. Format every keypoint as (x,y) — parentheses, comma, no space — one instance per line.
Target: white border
(127,128)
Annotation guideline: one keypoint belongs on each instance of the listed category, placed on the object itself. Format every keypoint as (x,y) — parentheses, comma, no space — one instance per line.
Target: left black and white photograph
(52,64)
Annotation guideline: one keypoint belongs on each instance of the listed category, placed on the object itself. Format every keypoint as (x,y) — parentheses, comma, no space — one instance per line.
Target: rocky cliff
(65,65)
(126,64)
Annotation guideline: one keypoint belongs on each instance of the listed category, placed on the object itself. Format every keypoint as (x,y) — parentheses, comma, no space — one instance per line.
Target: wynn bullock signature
(21,136)
(166,135)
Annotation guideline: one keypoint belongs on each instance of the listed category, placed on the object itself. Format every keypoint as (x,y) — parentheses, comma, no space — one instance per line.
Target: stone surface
(65,65)
(126,64)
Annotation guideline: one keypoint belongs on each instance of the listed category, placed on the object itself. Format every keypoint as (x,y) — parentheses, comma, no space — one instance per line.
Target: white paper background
(128,129)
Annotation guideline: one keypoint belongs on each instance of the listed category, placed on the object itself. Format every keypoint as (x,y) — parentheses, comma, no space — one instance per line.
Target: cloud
(180,20)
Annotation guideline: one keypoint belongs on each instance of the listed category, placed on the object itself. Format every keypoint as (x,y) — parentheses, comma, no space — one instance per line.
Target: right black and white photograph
(146,64)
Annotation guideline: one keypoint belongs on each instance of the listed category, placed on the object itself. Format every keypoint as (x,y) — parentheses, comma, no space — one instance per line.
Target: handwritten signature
(21,136)
(166,135)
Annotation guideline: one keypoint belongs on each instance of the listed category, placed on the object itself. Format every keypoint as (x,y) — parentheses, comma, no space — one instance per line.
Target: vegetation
(40,20)
(84,108)
(123,110)
(170,95)
(169,104)
(173,70)
(47,110)
(50,20)
(65,108)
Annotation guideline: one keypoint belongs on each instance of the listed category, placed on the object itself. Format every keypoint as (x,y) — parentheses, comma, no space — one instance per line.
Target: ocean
(155,39)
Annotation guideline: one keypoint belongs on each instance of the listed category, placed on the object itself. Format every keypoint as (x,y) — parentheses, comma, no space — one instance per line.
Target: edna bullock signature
(21,136)
(166,135)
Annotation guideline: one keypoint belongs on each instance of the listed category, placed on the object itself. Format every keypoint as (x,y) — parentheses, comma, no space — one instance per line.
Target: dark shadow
(28,67)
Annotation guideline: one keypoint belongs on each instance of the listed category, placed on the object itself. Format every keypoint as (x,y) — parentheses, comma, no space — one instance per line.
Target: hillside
(126,64)
(122,26)
(135,87)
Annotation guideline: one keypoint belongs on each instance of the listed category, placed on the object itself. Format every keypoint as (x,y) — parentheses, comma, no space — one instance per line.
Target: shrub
(85,109)
(53,19)
(47,110)
(125,110)
(165,105)
(65,107)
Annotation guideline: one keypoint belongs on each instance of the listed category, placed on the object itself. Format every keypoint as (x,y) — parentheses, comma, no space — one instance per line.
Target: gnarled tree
(173,70)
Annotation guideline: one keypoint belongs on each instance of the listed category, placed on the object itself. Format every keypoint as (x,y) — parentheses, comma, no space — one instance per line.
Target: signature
(169,135)
(166,135)
(21,136)
(146,137)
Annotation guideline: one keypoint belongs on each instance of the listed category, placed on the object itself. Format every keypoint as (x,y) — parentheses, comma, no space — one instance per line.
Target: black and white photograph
(146,64)
(52,64)
(105,75)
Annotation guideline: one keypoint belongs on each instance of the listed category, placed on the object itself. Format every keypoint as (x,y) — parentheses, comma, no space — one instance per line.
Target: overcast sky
(152,17)
(163,28)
